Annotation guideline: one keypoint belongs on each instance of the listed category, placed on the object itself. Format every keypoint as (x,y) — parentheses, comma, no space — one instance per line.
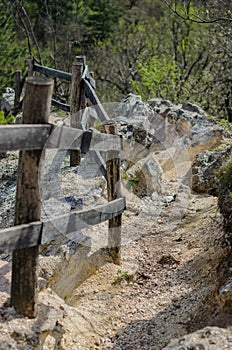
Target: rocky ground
(175,278)
(168,284)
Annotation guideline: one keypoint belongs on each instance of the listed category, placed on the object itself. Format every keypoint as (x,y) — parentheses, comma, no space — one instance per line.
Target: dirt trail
(175,258)
(173,291)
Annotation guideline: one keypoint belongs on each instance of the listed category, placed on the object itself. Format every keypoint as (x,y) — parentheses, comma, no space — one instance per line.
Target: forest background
(177,50)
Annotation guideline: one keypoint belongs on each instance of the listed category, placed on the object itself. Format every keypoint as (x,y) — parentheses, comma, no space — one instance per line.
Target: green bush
(5,121)
(225,195)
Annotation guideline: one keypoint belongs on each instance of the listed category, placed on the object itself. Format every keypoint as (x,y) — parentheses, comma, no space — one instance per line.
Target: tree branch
(195,18)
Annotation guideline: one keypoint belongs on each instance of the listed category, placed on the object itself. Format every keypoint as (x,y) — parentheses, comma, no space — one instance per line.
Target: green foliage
(159,77)
(136,46)
(225,195)
(225,177)
(121,276)
(13,51)
(225,123)
(100,18)
(5,121)
(133,181)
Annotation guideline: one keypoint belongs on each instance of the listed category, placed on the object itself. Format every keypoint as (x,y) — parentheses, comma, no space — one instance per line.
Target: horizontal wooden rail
(91,94)
(35,233)
(65,107)
(23,137)
(63,75)
(66,224)
(20,236)
(86,75)
(31,137)
(52,72)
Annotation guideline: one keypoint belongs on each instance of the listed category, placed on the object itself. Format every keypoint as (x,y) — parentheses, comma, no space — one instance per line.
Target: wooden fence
(32,138)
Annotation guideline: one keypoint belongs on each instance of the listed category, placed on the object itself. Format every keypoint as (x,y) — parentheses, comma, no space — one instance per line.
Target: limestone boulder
(145,177)
(206,166)
(208,338)
(7,100)
(134,117)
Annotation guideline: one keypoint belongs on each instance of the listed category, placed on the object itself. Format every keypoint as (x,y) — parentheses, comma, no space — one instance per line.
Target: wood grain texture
(76,221)
(113,191)
(65,107)
(23,137)
(24,286)
(21,236)
(76,97)
(35,233)
(90,93)
(35,137)
(52,72)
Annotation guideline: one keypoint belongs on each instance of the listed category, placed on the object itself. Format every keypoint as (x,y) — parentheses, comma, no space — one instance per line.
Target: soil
(175,257)
(174,292)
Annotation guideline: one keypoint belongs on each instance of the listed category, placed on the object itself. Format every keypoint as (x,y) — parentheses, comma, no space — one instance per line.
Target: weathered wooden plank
(23,137)
(90,93)
(24,286)
(104,142)
(35,233)
(20,236)
(76,95)
(18,89)
(113,191)
(52,72)
(76,221)
(32,137)
(63,106)
(64,138)
(87,75)
(100,162)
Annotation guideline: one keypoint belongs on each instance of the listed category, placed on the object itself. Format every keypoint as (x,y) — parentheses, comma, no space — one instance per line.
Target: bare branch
(194,18)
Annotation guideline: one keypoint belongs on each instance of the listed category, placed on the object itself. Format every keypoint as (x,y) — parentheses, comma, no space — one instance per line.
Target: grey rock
(158,103)
(149,173)
(7,100)
(225,293)
(8,344)
(134,117)
(205,167)
(208,338)
(192,107)
(163,124)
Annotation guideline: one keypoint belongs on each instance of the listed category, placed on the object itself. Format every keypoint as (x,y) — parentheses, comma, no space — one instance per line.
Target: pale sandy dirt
(175,267)
(175,288)
(174,259)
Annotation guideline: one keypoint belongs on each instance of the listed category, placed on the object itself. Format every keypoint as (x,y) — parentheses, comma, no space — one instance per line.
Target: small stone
(225,293)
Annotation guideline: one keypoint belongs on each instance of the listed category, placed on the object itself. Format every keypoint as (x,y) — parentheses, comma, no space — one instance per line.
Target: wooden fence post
(36,110)
(113,192)
(18,78)
(30,63)
(78,103)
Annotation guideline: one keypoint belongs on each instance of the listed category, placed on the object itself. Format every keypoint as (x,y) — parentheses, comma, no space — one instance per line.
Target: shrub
(225,195)
(5,121)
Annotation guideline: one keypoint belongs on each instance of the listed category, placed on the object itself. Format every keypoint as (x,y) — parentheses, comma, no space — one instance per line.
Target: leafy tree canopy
(176,49)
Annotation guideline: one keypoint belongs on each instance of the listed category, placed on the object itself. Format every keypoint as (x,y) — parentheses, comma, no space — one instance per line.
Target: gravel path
(168,281)
(175,280)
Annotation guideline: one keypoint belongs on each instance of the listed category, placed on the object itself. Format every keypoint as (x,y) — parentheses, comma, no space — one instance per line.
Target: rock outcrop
(206,166)
(159,121)
(173,134)
(208,338)
(134,117)
(7,100)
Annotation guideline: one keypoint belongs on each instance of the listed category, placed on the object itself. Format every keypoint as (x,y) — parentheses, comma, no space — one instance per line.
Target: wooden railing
(32,138)
(82,90)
